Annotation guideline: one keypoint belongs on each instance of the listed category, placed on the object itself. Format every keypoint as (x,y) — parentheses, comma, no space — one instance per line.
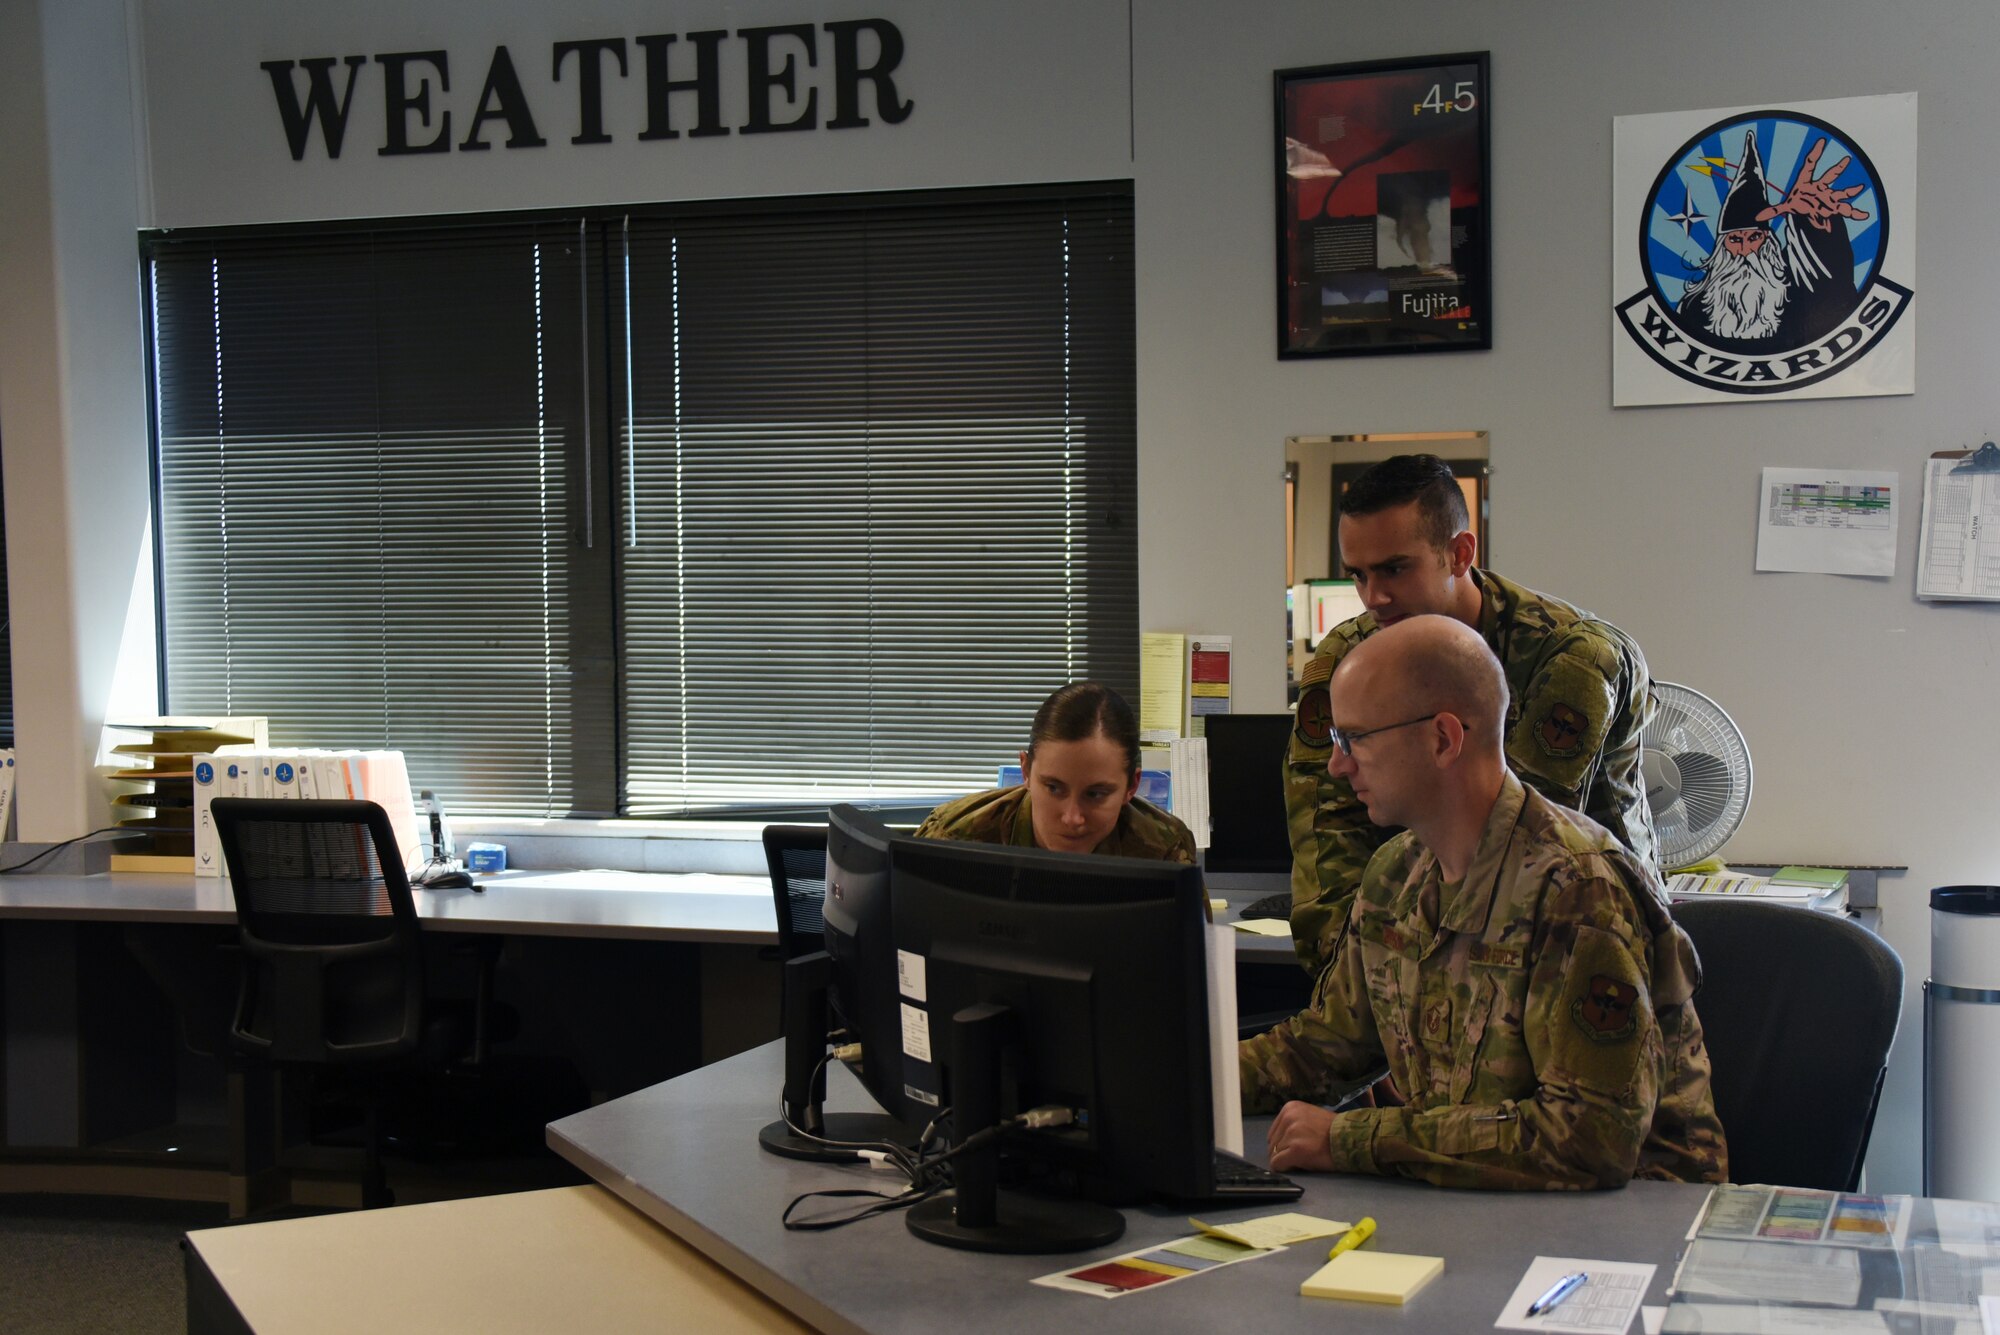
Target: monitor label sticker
(910,976)
(916,1033)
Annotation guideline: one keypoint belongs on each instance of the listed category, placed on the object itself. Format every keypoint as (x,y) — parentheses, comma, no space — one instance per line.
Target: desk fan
(1696,768)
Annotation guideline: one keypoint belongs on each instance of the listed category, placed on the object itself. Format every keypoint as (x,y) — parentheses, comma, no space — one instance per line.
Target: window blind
(878,491)
(646,511)
(363,440)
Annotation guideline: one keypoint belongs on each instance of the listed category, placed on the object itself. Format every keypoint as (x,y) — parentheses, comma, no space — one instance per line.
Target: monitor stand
(806,1013)
(979,1215)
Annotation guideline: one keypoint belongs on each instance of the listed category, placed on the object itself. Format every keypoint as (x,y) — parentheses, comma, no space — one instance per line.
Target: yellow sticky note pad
(1373,1277)
(1264,926)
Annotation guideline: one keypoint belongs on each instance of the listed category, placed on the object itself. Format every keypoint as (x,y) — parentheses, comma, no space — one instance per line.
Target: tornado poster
(1765,253)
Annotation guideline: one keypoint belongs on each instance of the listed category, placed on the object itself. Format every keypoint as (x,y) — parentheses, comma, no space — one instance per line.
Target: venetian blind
(363,440)
(877,475)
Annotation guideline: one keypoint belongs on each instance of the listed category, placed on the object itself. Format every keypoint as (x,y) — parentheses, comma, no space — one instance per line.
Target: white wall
(1029,90)
(72,397)
(1867,711)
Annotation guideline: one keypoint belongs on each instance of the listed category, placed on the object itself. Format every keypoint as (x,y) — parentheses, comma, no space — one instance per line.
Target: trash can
(1962,1044)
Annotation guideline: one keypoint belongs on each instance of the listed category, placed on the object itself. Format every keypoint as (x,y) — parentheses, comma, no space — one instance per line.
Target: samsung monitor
(1246,793)
(1068,982)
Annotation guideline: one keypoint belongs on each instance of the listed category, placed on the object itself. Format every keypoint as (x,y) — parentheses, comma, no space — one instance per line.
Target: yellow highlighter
(1354,1237)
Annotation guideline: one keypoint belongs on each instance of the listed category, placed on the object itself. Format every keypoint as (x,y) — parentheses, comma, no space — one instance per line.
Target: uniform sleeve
(1594,1040)
(934,824)
(1332,837)
(1332,1041)
(1556,745)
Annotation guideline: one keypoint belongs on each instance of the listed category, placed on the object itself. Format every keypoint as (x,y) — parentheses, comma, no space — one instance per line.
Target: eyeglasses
(1345,740)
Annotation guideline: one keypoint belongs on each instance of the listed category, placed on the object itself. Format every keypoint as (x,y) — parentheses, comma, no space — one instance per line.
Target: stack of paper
(164,816)
(1188,762)
(1811,888)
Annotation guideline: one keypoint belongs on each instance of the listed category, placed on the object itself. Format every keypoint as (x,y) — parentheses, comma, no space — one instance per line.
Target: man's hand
(1817,201)
(1298,1138)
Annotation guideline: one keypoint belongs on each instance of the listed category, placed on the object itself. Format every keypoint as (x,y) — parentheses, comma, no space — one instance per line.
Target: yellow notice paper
(1373,1277)
(1263,926)
(1274,1230)
(1162,686)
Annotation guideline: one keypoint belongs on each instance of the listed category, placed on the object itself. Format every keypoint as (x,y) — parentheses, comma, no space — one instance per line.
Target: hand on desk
(1298,1138)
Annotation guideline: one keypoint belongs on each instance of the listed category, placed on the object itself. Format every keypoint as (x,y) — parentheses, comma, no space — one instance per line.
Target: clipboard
(1958,542)
(1985,459)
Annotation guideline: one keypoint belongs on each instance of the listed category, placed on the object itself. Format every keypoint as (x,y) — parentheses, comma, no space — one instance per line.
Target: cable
(883,1204)
(57,848)
(926,1172)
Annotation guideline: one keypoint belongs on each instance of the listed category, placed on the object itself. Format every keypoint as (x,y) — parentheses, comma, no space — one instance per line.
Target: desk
(693,907)
(101,1091)
(574,1258)
(684,1153)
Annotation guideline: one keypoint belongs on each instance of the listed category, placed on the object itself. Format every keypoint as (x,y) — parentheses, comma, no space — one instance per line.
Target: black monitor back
(860,936)
(1102,961)
(1246,792)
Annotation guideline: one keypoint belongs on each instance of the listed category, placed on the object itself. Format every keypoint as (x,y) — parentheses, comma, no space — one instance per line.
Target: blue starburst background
(1674,256)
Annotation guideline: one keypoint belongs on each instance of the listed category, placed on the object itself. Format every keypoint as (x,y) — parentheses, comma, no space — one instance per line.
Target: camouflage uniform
(1537,1016)
(1001,816)
(1577,699)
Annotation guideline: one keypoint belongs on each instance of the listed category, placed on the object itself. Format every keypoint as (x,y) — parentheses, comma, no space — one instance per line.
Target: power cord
(926,1171)
(57,848)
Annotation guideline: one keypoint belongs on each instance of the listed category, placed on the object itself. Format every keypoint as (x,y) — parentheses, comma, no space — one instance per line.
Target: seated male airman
(1513,963)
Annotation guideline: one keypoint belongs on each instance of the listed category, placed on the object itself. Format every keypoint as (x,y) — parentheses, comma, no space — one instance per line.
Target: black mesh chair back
(797,856)
(333,965)
(1798,1009)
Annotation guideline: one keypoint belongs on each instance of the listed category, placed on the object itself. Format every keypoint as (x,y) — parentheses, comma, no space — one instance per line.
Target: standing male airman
(1577,684)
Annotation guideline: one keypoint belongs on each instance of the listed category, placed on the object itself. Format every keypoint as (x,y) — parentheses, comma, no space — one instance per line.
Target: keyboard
(1240,1180)
(1270,906)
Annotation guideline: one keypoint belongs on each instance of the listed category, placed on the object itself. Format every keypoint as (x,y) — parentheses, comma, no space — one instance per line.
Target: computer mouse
(451,880)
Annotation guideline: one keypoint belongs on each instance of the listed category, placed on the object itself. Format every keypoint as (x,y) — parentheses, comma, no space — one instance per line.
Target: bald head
(1428,665)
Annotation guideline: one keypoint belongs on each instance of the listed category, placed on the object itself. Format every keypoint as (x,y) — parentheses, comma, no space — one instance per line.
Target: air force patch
(1605,1012)
(1562,730)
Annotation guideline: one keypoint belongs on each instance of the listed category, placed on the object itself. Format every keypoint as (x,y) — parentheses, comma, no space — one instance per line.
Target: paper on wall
(1828,521)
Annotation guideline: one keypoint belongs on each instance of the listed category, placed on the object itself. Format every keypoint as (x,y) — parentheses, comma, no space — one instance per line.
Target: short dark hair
(1085,709)
(1423,478)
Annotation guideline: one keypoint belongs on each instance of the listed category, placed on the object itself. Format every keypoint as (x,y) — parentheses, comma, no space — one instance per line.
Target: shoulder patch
(1313,724)
(1604,1011)
(1561,731)
(1599,1023)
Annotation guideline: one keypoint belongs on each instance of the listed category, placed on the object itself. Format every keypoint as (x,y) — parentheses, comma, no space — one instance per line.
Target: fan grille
(1698,774)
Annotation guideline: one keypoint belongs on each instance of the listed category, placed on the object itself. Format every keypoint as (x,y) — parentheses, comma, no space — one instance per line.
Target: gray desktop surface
(685,1154)
(651,906)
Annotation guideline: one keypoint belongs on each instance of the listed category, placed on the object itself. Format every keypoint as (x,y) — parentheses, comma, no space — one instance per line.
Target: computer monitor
(861,939)
(1032,979)
(848,989)
(1246,793)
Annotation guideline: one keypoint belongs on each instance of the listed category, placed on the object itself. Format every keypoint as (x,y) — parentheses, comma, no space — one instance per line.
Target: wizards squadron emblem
(1762,242)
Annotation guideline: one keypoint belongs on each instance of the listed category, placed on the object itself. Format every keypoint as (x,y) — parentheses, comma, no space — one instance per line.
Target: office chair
(797,857)
(333,967)
(1798,1009)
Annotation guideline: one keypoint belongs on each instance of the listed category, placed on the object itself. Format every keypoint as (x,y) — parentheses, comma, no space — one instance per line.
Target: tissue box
(486,857)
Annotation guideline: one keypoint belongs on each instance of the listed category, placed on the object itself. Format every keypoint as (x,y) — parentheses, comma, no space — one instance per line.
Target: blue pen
(1558,1291)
